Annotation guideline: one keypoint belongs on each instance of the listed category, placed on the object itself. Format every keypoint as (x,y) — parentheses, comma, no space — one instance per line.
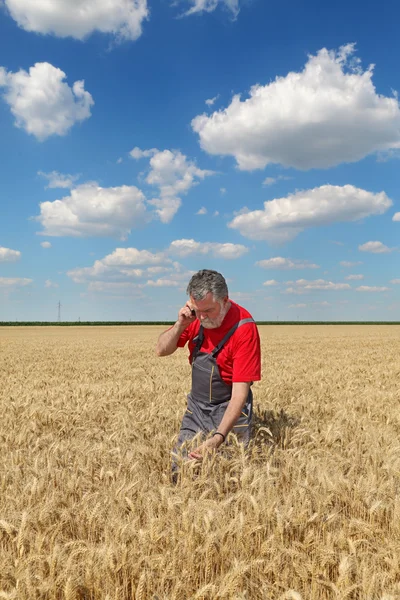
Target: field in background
(87,510)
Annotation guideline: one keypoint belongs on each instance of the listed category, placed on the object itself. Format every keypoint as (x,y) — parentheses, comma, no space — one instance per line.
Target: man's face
(210,312)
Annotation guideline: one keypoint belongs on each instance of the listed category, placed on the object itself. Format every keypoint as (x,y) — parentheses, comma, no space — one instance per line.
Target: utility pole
(59,311)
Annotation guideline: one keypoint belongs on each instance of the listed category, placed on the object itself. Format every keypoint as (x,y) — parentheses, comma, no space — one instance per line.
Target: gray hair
(206,281)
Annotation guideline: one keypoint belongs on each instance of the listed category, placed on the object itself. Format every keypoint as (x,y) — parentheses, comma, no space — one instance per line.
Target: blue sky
(143,140)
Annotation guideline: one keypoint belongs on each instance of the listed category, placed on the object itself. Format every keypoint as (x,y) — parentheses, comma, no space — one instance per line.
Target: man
(224,351)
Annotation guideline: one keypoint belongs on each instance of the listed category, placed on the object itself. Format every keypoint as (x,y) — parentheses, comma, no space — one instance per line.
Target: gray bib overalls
(210,395)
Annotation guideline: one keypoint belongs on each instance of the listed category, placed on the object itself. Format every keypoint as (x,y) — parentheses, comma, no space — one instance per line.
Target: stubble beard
(215,323)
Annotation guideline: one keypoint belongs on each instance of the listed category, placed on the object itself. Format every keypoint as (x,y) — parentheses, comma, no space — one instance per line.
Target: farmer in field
(224,351)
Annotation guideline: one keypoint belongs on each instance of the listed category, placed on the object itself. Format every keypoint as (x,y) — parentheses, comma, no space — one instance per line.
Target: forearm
(168,341)
(234,408)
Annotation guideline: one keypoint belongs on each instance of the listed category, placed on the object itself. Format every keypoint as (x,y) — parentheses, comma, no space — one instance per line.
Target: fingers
(195,456)
(187,313)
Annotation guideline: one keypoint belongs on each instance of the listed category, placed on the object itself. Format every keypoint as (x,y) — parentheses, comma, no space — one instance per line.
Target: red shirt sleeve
(187,335)
(246,354)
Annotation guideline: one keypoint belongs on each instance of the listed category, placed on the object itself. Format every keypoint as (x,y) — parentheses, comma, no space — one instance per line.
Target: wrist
(219,437)
(179,328)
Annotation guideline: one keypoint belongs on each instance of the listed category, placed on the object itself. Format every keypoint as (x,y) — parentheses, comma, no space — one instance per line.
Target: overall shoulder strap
(229,335)
(198,340)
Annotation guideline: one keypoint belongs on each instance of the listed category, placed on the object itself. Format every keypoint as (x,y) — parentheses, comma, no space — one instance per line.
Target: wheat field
(87,508)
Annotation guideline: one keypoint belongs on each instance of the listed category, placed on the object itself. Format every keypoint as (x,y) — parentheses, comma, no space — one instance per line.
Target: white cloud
(283,219)
(10,283)
(50,284)
(80,18)
(199,6)
(216,213)
(301,305)
(354,277)
(94,211)
(348,264)
(395,281)
(174,175)
(123,263)
(186,247)
(137,153)
(270,282)
(325,115)
(122,257)
(202,211)
(162,283)
(130,269)
(302,286)
(222,191)
(42,103)
(374,247)
(271,180)
(366,288)
(278,262)
(396,217)
(8,255)
(58,180)
(212,101)
(45,244)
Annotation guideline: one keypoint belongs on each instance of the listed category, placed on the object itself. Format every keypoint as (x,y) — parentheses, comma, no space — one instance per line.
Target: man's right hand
(185,316)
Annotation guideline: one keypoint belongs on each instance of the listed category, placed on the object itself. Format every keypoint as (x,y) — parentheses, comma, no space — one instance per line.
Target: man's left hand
(209,445)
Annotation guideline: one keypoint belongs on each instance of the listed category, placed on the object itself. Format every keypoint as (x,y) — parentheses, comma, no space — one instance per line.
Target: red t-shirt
(240,358)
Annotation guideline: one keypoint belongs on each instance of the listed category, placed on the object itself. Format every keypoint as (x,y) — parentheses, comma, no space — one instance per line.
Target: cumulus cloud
(8,255)
(125,263)
(12,283)
(303,286)
(395,281)
(278,262)
(202,211)
(58,180)
(375,248)
(173,174)
(212,101)
(121,18)
(129,269)
(91,210)
(354,277)
(137,153)
(200,6)
(42,103)
(327,114)
(187,247)
(270,282)
(366,288)
(283,219)
(122,257)
(396,217)
(162,283)
(348,263)
(45,244)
